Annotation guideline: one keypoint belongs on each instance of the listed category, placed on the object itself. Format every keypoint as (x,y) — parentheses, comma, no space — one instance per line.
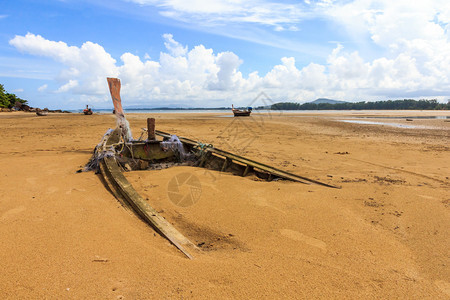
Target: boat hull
(241,113)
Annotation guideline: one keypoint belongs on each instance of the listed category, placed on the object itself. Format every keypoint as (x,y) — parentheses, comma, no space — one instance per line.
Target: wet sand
(384,234)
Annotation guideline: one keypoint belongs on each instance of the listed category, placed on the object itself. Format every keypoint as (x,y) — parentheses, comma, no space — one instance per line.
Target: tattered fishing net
(125,126)
(176,146)
(100,152)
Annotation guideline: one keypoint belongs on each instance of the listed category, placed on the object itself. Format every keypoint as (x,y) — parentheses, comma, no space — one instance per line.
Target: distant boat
(87,110)
(41,112)
(241,113)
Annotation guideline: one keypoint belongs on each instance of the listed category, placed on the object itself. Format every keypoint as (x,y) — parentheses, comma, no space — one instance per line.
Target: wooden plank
(142,208)
(269,169)
(252,163)
(109,182)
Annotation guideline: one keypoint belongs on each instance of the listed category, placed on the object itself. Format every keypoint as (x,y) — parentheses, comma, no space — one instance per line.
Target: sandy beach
(384,234)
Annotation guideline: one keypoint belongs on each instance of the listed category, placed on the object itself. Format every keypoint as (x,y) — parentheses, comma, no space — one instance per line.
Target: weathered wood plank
(246,161)
(126,191)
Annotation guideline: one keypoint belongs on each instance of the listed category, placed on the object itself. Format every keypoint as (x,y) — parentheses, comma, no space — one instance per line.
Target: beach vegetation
(406,104)
(8,100)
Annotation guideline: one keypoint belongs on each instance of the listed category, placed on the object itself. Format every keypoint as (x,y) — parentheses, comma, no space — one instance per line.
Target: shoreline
(273,112)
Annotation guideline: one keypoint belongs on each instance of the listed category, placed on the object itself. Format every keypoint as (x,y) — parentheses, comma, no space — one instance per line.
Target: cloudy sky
(210,53)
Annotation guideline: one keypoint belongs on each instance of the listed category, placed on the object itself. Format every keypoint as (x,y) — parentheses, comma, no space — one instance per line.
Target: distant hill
(325,100)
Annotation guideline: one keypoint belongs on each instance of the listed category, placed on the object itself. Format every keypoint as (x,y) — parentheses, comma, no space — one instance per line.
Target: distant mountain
(325,100)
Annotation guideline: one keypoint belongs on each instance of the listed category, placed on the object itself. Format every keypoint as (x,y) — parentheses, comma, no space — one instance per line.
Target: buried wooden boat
(118,151)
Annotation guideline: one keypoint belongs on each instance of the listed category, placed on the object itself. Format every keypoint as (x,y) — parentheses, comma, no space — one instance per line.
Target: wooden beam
(126,191)
(252,163)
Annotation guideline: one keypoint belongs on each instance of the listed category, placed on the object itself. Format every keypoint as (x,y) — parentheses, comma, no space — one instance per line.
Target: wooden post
(247,170)
(151,128)
(226,163)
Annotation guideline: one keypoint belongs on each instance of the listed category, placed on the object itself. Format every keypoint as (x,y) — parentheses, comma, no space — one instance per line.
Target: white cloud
(227,77)
(213,12)
(42,88)
(415,37)
(18,90)
(366,22)
(3,16)
(88,65)
(253,21)
(68,86)
(389,21)
(196,76)
(175,48)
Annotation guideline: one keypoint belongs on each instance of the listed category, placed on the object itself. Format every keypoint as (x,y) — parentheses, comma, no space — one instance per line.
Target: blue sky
(57,54)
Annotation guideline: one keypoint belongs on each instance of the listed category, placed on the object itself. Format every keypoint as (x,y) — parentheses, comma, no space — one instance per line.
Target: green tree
(424,104)
(4,101)
(7,99)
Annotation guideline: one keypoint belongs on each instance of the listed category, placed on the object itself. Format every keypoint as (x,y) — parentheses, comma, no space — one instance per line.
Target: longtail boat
(240,112)
(118,151)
